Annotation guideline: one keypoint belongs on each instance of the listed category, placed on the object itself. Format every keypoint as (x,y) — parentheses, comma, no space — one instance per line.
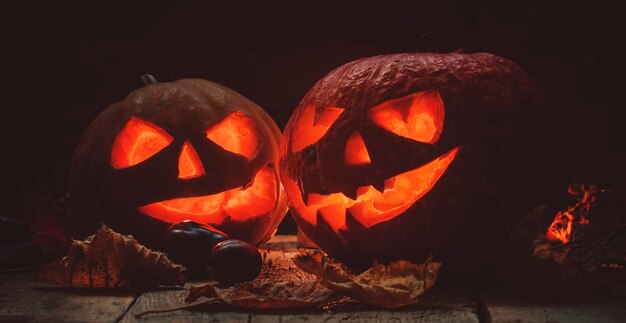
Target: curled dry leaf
(398,284)
(109,259)
(311,279)
(266,294)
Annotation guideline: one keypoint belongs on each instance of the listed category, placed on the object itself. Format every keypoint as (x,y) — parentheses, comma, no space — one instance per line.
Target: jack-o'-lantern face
(359,174)
(409,155)
(237,134)
(188,150)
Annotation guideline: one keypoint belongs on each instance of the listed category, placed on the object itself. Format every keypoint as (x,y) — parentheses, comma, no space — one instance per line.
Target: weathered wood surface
(24,300)
(504,306)
(440,304)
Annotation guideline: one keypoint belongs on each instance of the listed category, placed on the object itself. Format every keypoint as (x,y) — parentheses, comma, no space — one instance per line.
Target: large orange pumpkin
(410,155)
(185,150)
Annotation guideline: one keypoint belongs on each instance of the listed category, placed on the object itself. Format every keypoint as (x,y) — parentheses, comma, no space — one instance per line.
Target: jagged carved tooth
(333,223)
(352,223)
(321,222)
(379,185)
(350,194)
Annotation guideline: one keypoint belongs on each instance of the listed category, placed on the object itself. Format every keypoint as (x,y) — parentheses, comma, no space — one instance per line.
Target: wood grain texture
(440,304)
(505,306)
(24,300)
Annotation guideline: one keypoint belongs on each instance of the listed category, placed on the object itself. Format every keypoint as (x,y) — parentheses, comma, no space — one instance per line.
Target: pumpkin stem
(148,79)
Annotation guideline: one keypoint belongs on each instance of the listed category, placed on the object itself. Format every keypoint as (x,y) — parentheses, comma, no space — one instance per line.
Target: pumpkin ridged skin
(184,109)
(509,137)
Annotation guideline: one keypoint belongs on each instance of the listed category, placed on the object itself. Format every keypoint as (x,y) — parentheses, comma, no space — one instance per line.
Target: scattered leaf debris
(108,259)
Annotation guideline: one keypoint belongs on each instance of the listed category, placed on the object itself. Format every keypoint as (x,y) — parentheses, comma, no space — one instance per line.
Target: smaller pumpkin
(185,150)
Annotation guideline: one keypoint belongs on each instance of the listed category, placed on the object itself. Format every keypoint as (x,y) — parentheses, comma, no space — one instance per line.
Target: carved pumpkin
(404,156)
(185,150)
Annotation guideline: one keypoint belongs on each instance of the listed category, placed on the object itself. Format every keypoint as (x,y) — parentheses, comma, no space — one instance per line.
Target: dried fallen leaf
(109,259)
(265,294)
(545,250)
(397,284)
(281,285)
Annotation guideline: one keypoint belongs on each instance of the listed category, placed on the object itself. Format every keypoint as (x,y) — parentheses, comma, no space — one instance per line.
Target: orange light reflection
(372,206)
(418,116)
(136,142)
(356,153)
(236,133)
(560,230)
(307,131)
(240,204)
(189,164)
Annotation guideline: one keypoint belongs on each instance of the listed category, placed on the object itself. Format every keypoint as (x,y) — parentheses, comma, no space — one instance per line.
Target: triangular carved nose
(356,153)
(189,163)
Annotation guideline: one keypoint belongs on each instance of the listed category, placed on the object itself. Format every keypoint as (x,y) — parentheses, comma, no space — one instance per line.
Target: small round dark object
(235,261)
(188,243)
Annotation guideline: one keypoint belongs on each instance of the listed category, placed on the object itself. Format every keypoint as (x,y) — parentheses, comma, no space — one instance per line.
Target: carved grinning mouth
(238,204)
(372,206)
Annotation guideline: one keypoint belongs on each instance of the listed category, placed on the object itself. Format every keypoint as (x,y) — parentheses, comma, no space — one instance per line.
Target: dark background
(65,62)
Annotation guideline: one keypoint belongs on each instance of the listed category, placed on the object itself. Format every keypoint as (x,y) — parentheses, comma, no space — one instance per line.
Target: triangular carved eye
(136,142)
(418,116)
(236,133)
(311,125)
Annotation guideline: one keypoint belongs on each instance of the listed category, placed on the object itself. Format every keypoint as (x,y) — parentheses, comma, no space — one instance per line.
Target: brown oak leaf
(111,260)
(395,285)
(265,294)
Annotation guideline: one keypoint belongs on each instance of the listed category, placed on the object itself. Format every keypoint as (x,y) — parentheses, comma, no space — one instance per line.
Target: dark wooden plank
(163,299)
(440,304)
(505,306)
(23,299)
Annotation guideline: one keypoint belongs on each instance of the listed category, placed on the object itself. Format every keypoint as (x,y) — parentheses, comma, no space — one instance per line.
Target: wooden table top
(24,300)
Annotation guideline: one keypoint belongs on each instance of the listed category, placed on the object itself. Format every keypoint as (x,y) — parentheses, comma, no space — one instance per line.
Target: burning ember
(576,248)
(594,243)
(561,228)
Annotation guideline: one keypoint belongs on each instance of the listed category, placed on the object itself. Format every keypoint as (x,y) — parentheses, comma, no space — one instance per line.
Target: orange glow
(560,230)
(418,116)
(307,130)
(189,164)
(238,204)
(372,206)
(356,152)
(237,133)
(136,142)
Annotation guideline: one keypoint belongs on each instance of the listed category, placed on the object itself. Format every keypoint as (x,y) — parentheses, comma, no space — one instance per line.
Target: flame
(560,230)
(561,227)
